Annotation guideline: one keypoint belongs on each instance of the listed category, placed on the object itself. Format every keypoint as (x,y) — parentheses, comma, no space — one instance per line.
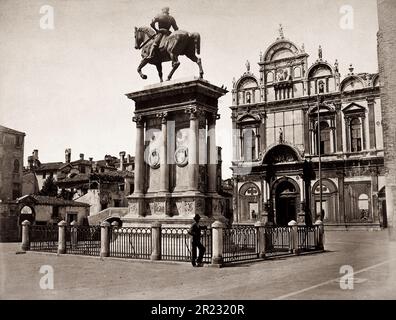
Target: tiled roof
(53,201)
(9,130)
(103,176)
(49,166)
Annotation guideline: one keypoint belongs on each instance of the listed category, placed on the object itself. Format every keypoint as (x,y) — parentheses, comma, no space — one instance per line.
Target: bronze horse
(178,43)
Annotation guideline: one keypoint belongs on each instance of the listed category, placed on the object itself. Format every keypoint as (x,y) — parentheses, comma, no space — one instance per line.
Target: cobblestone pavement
(316,276)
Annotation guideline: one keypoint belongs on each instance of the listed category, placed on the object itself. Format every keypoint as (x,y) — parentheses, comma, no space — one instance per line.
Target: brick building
(11,165)
(387,71)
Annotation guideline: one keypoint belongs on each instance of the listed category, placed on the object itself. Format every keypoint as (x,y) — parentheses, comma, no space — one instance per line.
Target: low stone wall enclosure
(223,245)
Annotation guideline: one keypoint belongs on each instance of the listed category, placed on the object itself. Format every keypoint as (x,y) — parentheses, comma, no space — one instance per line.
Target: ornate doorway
(287,195)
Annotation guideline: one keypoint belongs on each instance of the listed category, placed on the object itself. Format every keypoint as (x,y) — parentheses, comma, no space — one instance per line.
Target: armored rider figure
(165,22)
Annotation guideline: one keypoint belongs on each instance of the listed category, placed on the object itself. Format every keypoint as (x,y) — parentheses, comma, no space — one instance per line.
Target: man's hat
(197,217)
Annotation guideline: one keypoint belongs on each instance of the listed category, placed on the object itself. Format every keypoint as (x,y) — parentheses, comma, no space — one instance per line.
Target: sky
(65,87)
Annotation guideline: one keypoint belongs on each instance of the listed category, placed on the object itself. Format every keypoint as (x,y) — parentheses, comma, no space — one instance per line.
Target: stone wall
(387,70)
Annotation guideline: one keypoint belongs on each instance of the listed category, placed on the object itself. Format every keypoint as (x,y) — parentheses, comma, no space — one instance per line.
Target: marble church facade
(276,142)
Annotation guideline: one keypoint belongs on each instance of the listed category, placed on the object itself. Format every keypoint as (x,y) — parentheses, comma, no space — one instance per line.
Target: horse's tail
(197,41)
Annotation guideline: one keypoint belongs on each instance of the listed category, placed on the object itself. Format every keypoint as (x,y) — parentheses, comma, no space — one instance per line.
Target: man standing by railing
(195,232)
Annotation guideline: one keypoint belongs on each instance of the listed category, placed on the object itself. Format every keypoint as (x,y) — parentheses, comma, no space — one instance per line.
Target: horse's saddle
(165,35)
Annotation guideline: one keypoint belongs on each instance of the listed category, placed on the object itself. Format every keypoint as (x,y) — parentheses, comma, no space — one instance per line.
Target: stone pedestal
(176,124)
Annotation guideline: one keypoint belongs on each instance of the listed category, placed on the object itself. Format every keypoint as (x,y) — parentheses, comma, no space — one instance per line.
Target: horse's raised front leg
(139,69)
(159,69)
(175,65)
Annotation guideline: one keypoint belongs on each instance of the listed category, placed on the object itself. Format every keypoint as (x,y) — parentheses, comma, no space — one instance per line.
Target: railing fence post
(73,234)
(156,251)
(62,237)
(260,229)
(319,235)
(104,239)
(293,236)
(217,245)
(25,246)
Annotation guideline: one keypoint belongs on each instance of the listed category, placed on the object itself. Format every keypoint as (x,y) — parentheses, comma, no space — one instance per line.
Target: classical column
(363,121)
(338,126)
(347,134)
(234,138)
(332,149)
(306,132)
(212,165)
(164,166)
(263,133)
(257,142)
(341,197)
(371,118)
(139,155)
(193,155)
(374,195)
(313,144)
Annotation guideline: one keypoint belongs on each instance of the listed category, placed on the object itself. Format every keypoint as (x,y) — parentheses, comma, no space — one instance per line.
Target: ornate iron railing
(277,239)
(240,243)
(307,236)
(44,238)
(176,244)
(84,240)
(131,242)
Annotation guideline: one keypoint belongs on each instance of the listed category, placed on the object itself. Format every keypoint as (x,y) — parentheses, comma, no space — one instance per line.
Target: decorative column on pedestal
(136,206)
(164,166)
(212,164)
(193,153)
(139,155)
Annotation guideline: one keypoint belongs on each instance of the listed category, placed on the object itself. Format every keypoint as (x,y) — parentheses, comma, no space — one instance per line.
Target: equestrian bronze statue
(160,44)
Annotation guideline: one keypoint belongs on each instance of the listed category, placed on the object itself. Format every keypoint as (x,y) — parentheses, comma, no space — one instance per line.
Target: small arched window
(16,166)
(356,135)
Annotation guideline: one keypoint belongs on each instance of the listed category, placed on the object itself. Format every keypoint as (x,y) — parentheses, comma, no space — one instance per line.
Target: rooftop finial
(336,65)
(320,52)
(247,64)
(303,48)
(351,68)
(281,35)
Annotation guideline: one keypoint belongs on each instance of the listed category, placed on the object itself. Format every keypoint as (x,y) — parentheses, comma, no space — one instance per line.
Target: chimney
(81,156)
(129,158)
(122,160)
(35,154)
(90,159)
(68,155)
(31,162)
(107,159)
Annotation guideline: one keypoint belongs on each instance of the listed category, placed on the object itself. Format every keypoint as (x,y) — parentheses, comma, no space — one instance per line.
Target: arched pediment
(351,83)
(324,108)
(247,81)
(320,69)
(281,153)
(248,118)
(328,186)
(281,49)
(249,189)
